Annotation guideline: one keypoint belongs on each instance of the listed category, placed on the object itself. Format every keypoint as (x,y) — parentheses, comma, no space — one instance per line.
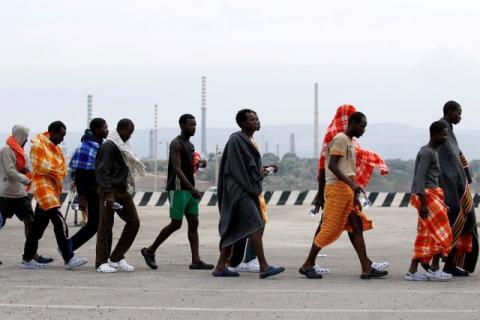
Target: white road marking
(271,310)
(341,291)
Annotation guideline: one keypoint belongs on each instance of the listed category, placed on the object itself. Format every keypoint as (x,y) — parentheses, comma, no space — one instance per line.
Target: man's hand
(109,201)
(196,194)
(356,188)
(268,169)
(319,201)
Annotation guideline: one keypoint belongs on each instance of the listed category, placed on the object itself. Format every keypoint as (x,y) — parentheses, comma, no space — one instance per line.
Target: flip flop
(310,273)
(374,274)
(201,266)
(225,273)
(271,271)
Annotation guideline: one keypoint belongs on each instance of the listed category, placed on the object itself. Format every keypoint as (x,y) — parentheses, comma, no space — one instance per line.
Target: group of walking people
(104,168)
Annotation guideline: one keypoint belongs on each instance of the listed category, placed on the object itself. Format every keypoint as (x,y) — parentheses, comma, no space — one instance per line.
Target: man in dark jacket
(114,171)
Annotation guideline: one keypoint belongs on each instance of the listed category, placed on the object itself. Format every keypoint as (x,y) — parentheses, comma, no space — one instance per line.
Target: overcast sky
(398,61)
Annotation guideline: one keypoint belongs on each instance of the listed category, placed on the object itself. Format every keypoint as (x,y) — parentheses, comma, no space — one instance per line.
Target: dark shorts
(21,207)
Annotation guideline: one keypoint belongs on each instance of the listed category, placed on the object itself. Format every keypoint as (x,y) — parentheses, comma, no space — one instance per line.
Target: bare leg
(193,237)
(359,242)
(413,266)
(257,242)
(225,254)
(164,234)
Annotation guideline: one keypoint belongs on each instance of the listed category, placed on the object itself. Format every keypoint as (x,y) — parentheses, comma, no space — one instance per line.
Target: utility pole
(204,116)
(217,154)
(316,145)
(155,146)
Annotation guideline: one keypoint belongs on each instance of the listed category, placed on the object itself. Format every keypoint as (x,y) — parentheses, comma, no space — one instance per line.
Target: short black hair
(451,106)
(125,124)
(96,124)
(356,117)
(56,126)
(242,116)
(437,127)
(184,118)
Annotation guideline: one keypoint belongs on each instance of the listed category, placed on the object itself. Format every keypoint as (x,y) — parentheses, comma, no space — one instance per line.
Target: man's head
(125,128)
(438,133)
(188,125)
(57,131)
(357,124)
(452,112)
(247,119)
(20,133)
(99,128)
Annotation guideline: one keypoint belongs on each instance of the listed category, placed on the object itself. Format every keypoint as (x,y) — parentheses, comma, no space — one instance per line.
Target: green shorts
(182,202)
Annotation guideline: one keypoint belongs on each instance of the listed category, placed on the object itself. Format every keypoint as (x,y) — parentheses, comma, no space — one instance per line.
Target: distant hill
(391,140)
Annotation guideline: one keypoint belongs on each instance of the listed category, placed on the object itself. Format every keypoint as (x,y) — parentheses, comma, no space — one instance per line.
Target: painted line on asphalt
(407,291)
(269,310)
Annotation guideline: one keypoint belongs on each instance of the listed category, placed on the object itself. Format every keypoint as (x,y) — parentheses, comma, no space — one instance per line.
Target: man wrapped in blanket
(434,235)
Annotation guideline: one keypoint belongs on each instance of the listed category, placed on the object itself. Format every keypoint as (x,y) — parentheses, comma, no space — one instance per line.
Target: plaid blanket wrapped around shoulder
(366,160)
(48,171)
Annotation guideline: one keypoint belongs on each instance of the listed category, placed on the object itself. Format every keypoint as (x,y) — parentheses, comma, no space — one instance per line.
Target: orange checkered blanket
(48,171)
(434,235)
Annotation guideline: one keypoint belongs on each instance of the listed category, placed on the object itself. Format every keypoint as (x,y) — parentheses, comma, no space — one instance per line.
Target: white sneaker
(417,276)
(254,266)
(32,264)
(75,263)
(105,268)
(438,275)
(122,265)
(321,270)
(380,266)
(251,266)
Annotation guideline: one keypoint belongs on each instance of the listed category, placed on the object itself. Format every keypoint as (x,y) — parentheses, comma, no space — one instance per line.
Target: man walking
(183,195)
(83,166)
(115,169)
(342,209)
(16,179)
(239,196)
(48,172)
(434,235)
(455,181)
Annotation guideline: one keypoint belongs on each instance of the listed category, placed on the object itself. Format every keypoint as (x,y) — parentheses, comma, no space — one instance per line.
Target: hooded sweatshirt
(12,182)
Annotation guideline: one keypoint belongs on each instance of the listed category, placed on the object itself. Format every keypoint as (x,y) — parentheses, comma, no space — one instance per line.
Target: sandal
(225,273)
(321,270)
(271,271)
(417,276)
(439,275)
(105,268)
(310,273)
(201,266)
(149,259)
(374,274)
(380,266)
(457,272)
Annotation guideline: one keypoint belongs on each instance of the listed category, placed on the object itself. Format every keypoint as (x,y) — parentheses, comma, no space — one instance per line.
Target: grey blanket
(453,181)
(239,186)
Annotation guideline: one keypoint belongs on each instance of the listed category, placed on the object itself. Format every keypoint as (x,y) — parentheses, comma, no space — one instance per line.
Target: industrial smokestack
(155,146)
(316,144)
(204,116)
(89,109)
(292,143)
